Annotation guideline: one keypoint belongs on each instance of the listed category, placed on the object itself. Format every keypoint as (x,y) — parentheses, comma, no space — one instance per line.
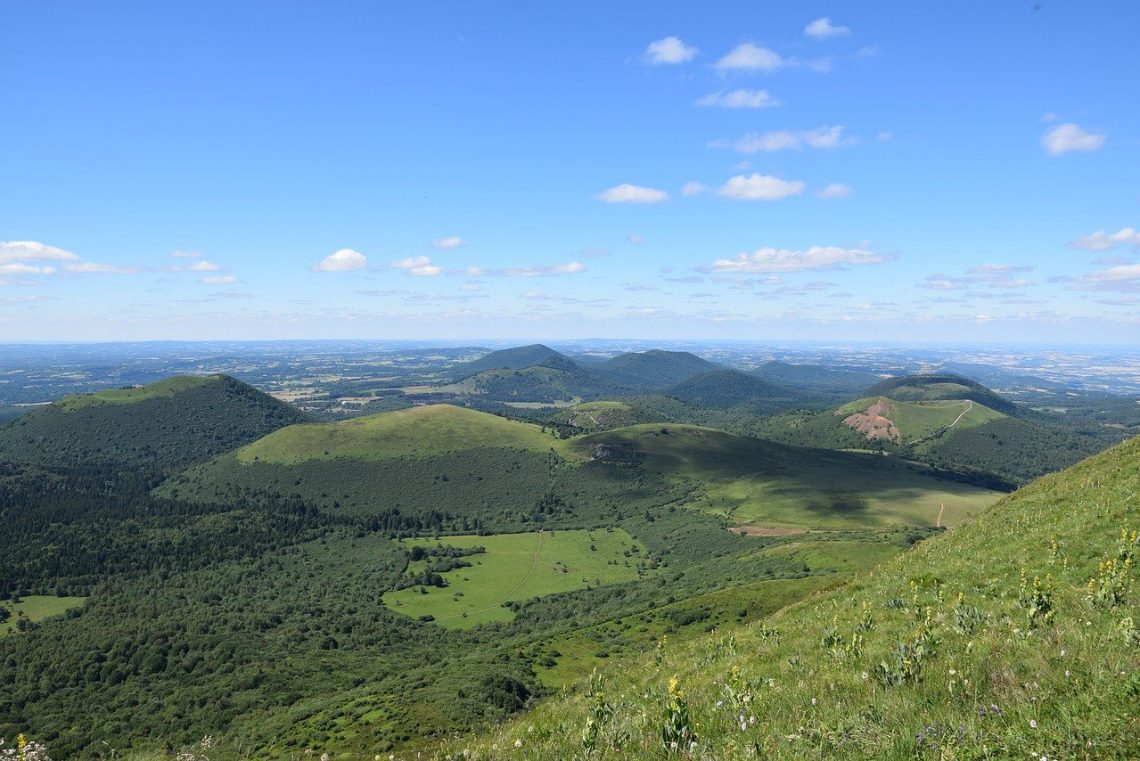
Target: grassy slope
(755,481)
(514,568)
(160,389)
(990,684)
(413,432)
(920,419)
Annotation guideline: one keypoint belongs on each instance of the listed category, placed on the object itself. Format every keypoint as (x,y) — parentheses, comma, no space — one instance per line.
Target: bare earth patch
(767,531)
(874,423)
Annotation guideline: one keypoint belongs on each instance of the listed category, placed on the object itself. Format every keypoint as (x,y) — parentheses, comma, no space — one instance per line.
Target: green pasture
(516,567)
(35,608)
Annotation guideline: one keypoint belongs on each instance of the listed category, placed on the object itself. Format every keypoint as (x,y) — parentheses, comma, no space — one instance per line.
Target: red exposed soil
(874,423)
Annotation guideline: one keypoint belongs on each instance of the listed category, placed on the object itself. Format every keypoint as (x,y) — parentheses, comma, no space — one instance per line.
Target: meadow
(34,608)
(516,567)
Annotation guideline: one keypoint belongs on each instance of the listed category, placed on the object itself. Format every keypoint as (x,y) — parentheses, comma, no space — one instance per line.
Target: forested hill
(937,387)
(172,422)
(654,369)
(516,358)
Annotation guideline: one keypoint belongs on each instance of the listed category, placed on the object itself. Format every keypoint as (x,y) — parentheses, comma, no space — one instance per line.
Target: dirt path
(941,509)
(969,406)
(515,588)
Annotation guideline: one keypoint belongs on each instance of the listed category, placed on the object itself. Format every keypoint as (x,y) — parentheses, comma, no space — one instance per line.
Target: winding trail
(969,406)
(515,588)
(941,509)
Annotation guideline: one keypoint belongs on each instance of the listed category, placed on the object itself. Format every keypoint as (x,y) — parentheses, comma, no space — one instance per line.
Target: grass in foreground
(516,567)
(1014,636)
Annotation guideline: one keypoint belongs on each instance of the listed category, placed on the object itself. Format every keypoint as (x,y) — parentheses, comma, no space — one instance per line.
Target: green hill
(555,380)
(168,423)
(1014,636)
(655,369)
(725,389)
(606,415)
(515,358)
(936,387)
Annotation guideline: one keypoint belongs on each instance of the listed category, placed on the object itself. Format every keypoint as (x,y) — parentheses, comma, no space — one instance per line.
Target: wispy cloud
(343,260)
(1069,137)
(91,268)
(833,191)
(417,266)
(453,241)
(1103,241)
(815,258)
(823,29)
(668,50)
(627,193)
(693,188)
(739,99)
(787,140)
(219,280)
(178,254)
(760,187)
(30,250)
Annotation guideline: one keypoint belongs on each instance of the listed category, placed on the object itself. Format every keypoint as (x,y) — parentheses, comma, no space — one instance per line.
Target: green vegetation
(934,387)
(590,417)
(515,358)
(412,432)
(654,369)
(163,425)
(924,419)
(515,567)
(727,389)
(17,614)
(1011,636)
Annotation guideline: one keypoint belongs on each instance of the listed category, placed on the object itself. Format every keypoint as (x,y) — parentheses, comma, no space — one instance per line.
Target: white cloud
(693,188)
(30,250)
(944,283)
(823,29)
(667,51)
(343,260)
(185,254)
(626,193)
(885,137)
(834,190)
(470,287)
(417,266)
(760,187)
(787,260)
(1102,241)
(739,99)
(199,266)
(95,267)
(218,280)
(1069,137)
(19,268)
(825,138)
(453,241)
(750,57)
(569,268)
(1117,274)
(635,239)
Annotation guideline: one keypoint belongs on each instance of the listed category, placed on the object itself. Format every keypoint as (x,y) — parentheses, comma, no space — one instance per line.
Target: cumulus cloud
(453,241)
(787,140)
(1069,137)
(693,188)
(834,190)
(343,260)
(787,260)
(750,57)
(823,29)
(668,50)
(1103,241)
(20,268)
(626,193)
(739,99)
(760,187)
(30,250)
(417,266)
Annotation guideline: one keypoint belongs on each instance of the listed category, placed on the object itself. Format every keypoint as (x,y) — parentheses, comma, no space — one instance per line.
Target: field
(516,567)
(160,389)
(36,608)
(413,432)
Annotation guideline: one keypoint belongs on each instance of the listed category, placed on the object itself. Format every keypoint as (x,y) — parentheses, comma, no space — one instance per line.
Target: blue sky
(875,171)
